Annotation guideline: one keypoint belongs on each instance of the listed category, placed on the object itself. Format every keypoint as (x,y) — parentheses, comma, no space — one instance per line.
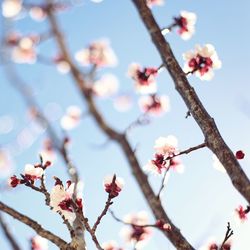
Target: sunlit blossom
(144,78)
(202,61)
(39,243)
(11,8)
(113,188)
(106,86)
(98,53)
(154,105)
(72,118)
(152,3)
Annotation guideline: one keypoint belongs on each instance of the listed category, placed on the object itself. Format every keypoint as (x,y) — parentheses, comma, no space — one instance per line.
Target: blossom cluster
(165,156)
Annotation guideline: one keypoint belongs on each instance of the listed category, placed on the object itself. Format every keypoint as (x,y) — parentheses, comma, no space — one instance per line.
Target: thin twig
(228,234)
(9,234)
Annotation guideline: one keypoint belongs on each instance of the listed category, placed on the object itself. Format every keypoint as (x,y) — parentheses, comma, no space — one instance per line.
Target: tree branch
(8,234)
(35,226)
(211,133)
(174,235)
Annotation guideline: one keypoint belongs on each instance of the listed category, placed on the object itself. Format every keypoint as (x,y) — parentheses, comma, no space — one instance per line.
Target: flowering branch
(229,233)
(108,204)
(37,227)
(212,135)
(174,235)
(8,234)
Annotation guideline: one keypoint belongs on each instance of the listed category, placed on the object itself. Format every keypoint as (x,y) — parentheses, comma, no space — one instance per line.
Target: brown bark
(213,138)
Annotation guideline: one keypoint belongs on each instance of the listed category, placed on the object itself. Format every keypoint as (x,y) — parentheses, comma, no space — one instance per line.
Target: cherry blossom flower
(151,3)
(111,245)
(144,78)
(154,105)
(202,61)
(61,198)
(166,146)
(25,51)
(135,233)
(123,102)
(48,153)
(239,155)
(11,8)
(215,246)
(39,243)
(106,86)
(37,13)
(32,172)
(98,53)
(217,164)
(113,188)
(61,64)
(72,118)
(241,213)
(186,23)
(157,165)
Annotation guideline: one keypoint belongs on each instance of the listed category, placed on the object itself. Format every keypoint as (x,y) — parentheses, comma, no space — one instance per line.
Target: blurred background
(201,200)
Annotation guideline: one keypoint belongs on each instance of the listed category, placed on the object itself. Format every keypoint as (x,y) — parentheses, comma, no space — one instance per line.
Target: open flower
(166,146)
(111,245)
(61,64)
(113,185)
(98,53)
(25,50)
(61,200)
(157,165)
(11,8)
(39,243)
(144,78)
(186,23)
(106,86)
(202,61)
(151,3)
(154,105)
(32,172)
(72,118)
(136,233)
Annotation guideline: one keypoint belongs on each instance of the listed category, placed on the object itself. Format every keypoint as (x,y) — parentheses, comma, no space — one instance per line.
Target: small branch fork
(187,151)
(228,234)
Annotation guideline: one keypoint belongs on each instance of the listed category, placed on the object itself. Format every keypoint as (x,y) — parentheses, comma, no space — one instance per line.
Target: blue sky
(201,200)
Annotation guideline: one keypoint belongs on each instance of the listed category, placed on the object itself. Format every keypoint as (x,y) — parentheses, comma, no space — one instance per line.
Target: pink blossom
(144,78)
(136,233)
(157,165)
(32,172)
(106,86)
(111,245)
(202,61)
(151,3)
(25,51)
(37,13)
(113,188)
(98,53)
(61,64)
(186,23)
(72,118)
(11,8)
(39,243)
(154,105)
(61,200)
(166,146)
